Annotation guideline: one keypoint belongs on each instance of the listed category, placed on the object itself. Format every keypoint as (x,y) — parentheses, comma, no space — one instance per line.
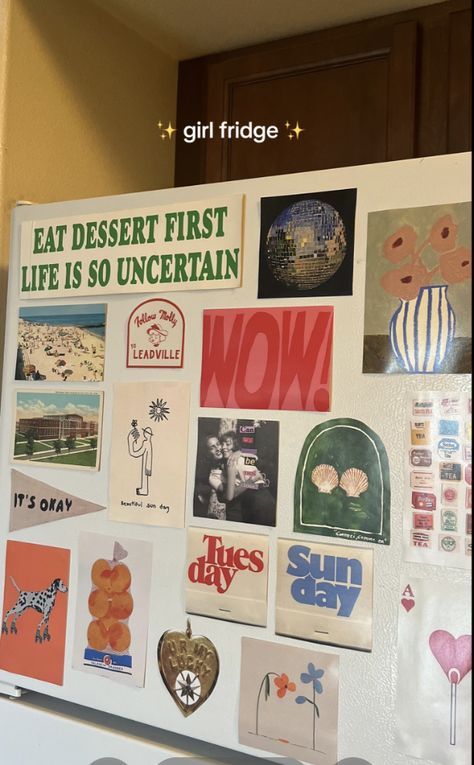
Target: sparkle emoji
(295,131)
(166,132)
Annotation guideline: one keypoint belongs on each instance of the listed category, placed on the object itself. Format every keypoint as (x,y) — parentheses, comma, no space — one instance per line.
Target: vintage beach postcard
(61,343)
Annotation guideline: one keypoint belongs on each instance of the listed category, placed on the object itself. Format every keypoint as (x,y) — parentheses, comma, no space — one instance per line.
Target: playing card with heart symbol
(434,671)
(408,598)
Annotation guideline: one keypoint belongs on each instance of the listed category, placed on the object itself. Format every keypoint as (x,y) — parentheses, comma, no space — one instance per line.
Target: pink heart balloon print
(454,655)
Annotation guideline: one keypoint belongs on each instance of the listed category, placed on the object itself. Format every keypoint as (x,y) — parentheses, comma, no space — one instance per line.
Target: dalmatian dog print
(42,601)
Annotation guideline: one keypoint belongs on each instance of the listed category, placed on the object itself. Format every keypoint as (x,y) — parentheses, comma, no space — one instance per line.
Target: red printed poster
(276,358)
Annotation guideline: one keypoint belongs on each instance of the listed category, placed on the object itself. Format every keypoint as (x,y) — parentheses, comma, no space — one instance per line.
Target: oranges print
(110,604)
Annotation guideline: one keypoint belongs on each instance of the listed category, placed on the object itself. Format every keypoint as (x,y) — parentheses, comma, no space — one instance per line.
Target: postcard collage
(266,357)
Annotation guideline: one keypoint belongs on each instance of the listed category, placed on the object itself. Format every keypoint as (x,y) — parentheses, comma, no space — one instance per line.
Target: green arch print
(342,486)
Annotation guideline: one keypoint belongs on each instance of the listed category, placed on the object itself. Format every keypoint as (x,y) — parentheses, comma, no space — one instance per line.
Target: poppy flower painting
(289,701)
(418,290)
(400,244)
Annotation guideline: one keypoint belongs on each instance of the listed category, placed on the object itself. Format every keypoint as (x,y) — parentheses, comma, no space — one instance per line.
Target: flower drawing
(400,245)
(456,266)
(405,282)
(423,265)
(283,684)
(281,681)
(312,676)
(443,234)
(454,263)
(158,410)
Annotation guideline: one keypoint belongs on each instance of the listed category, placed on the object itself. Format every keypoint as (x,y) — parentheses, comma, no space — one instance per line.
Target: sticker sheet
(33,502)
(267,358)
(307,244)
(289,701)
(147,482)
(58,429)
(236,476)
(113,595)
(35,602)
(438,481)
(433,709)
(325,593)
(418,290)
(342,486)
(227,575)
(61,343)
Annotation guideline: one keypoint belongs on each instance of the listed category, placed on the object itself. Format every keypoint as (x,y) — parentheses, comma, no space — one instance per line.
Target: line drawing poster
(289,701)
(433,720)
(149,453)
(267,358)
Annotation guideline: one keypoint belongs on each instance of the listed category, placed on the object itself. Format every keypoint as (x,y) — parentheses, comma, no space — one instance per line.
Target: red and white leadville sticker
(155,336)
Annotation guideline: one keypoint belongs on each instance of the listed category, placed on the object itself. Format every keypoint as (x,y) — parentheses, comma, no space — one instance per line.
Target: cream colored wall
(4,24)
(83,95)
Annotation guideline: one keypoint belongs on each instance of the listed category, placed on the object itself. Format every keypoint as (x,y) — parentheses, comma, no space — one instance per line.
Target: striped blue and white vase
(422,330)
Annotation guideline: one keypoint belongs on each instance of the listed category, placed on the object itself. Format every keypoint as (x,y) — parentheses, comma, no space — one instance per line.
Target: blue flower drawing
(313,676)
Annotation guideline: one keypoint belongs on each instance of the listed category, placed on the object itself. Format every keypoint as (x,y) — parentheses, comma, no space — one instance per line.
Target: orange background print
(35,567)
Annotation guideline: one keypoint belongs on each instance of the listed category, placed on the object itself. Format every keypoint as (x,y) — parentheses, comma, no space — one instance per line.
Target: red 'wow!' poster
(278,358)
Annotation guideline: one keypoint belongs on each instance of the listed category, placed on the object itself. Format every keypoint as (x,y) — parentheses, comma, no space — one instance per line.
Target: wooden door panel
(341,108)
(460,81)
(389,88)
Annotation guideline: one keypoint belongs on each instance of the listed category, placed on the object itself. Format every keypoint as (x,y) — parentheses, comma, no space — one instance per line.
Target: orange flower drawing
(400,245)
(284,684)
(456,266)
(405,282)
(443,234)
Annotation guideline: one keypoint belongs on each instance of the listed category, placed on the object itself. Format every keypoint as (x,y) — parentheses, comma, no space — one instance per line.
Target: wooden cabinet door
(385,89)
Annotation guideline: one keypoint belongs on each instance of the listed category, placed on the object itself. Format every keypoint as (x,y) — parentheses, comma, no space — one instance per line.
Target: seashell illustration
(325,477)
(354,482)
